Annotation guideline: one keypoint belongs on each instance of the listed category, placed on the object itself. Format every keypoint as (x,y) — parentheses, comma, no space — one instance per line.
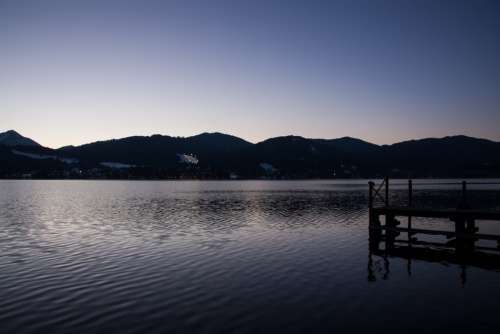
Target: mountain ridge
(13,138)
(219,155)
(343,138)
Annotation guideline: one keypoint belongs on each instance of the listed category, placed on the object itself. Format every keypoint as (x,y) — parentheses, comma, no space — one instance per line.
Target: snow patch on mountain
(187,159)
(268,167)
(45,156)
(117,165)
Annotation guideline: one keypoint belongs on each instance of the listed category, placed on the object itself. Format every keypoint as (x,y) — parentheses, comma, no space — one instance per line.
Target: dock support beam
(386,180)
(370,203)
(374,220)
(463,199)
(410,203)
(464,192)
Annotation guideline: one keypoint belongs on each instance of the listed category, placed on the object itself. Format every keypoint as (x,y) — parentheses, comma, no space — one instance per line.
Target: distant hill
(217,155)
(158,150)
(450,156)
(353,146)
(293,156)
(12,138)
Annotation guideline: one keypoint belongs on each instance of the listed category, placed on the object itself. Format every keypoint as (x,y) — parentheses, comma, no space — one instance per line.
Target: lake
(227,256)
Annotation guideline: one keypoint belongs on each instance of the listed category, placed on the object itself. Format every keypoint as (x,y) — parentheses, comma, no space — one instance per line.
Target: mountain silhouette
(217,155)
(12,138)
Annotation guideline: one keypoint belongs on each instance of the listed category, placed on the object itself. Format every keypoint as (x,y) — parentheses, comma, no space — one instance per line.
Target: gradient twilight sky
(73,72)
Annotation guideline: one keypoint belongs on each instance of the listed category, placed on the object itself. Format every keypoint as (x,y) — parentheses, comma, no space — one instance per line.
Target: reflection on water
(379,260)
(227,257)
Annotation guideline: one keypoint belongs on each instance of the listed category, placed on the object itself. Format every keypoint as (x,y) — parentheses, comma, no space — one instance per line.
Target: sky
(73,72)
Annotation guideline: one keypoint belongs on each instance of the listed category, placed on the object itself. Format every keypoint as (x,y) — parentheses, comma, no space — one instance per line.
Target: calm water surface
(246,257)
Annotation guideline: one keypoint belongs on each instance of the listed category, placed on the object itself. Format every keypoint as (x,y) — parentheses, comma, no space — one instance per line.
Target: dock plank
(437,213)
(448,234)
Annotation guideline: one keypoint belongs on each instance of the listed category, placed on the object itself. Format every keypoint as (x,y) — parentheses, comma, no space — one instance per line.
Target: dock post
(386,180)
(460,240)
(370,204)
(390,234)
(463,200)
(371,217)
(373,221)
(410,203)
(464,189)
(410,193)
(471,229)
(370,195)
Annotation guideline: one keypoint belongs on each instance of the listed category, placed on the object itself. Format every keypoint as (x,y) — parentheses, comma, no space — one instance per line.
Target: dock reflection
(381,253)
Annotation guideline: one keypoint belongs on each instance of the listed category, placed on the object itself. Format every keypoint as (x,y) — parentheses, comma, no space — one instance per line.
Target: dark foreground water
(246,257)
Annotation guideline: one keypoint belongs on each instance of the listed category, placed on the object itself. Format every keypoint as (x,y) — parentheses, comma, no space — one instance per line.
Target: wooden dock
(464,221)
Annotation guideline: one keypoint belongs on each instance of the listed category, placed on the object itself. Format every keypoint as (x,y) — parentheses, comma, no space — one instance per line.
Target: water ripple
(206,257)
